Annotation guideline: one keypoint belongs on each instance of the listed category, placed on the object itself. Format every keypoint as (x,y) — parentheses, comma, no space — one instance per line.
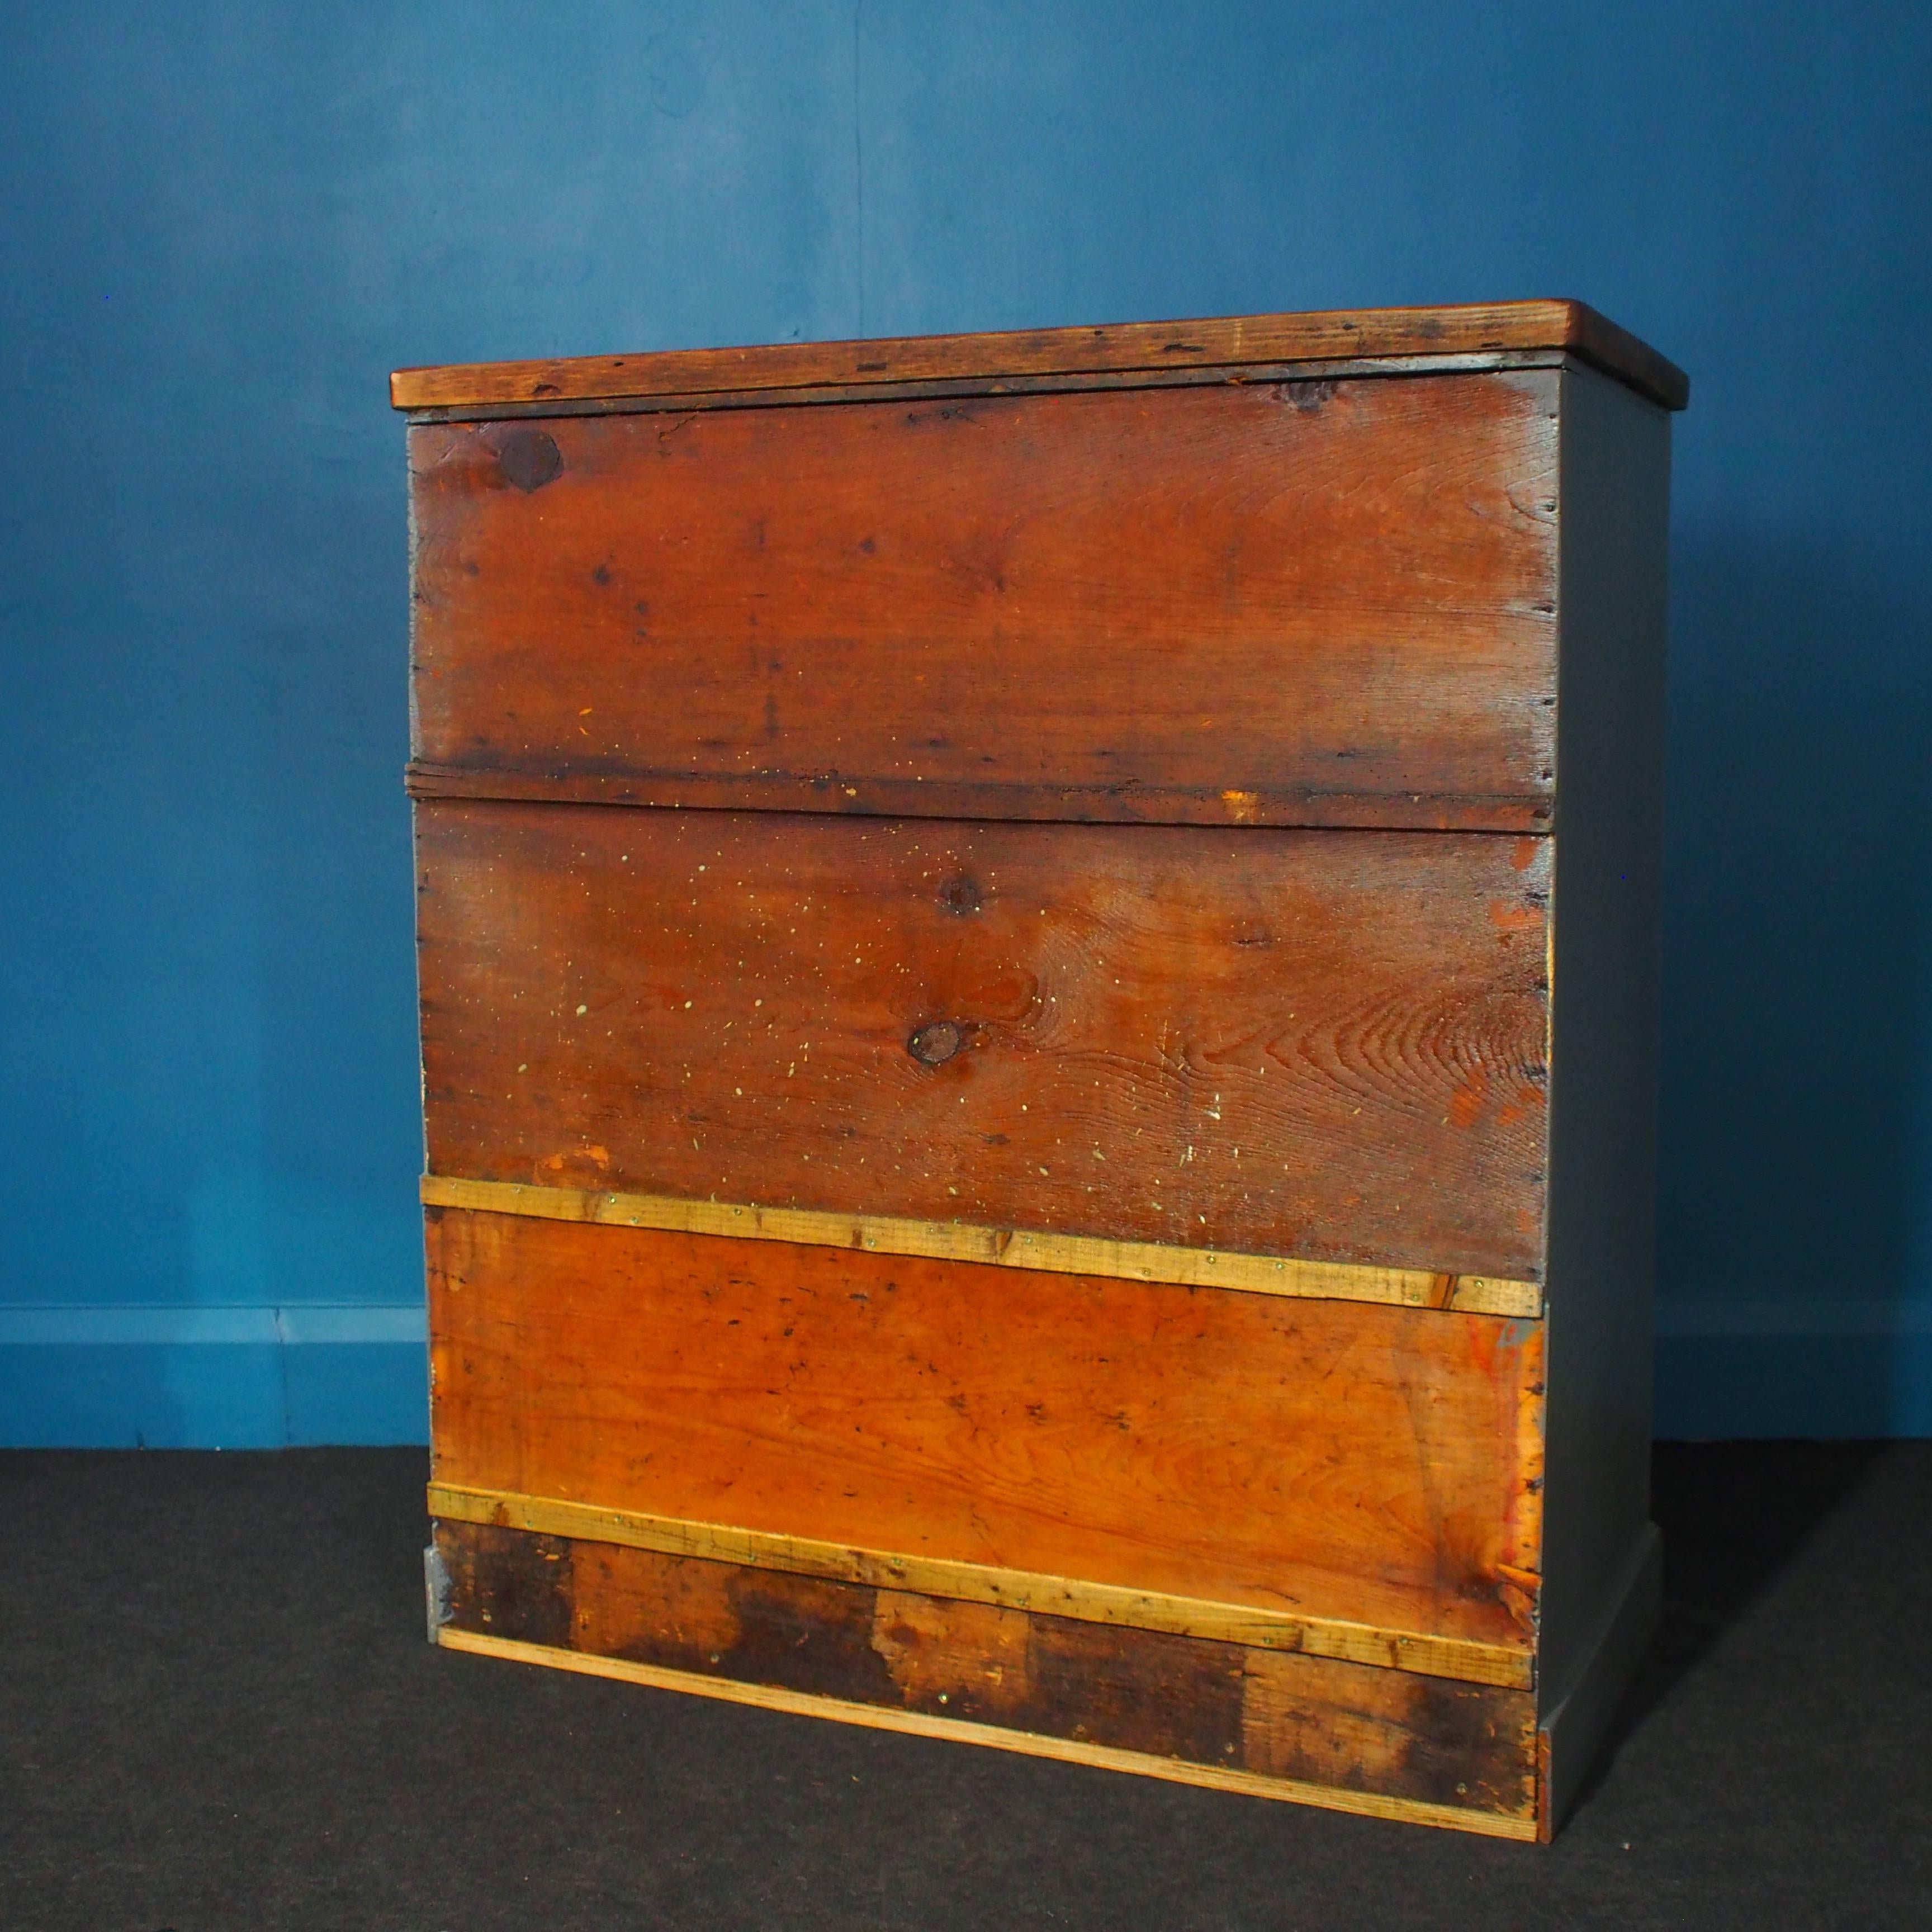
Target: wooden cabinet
(1038,1012)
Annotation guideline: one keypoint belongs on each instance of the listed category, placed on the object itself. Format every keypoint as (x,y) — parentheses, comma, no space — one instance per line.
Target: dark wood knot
(1307,397)
(961,895)
(529,459)
(935,1042)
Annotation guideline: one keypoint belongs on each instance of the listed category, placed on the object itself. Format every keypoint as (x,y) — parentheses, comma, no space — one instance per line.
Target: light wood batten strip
(996,1247)
(1461,1659)
(874,1716)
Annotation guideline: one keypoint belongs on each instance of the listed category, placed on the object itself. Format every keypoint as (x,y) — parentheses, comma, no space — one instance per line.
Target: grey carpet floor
(217,1711)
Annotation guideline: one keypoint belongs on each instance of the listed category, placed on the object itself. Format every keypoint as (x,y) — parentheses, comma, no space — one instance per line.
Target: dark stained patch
(529,459)
(936,1042)
(962,895)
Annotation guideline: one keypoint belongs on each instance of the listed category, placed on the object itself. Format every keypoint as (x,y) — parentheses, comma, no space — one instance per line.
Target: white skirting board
(212,1377)
(1815,1368)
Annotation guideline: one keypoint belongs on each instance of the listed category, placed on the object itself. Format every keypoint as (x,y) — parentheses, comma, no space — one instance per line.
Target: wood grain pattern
(1147,347)
(979,1583)
(967,1211)
(1343,1726)
(1302,603)
(995,1247)
(1331,1048)
(1328,1459)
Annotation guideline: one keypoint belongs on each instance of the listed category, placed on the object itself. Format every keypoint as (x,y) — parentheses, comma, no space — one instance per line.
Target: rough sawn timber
(1327,1047)
(1267,1722)
(1301,603)
(1326,1459)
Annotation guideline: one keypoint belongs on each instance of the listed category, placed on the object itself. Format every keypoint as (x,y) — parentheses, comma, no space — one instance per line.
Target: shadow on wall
(1791,1251)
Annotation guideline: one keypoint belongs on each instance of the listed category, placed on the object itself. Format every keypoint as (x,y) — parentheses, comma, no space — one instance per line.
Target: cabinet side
(1601,1573)
(437,1592)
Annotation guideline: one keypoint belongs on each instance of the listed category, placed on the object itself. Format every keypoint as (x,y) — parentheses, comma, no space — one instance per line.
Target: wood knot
(529,459)
(961,895)
(935,1042)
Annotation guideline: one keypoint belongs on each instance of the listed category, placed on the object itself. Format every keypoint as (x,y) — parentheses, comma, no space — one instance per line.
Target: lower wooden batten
(1312,1730)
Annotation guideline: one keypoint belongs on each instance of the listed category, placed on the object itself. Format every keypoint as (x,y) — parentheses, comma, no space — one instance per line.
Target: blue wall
(223,223)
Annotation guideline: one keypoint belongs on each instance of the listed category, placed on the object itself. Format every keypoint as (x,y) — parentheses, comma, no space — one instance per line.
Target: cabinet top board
(1119,352)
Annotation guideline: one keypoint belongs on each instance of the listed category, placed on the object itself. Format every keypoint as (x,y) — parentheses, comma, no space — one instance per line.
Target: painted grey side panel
(1574,1729)
(1613,492)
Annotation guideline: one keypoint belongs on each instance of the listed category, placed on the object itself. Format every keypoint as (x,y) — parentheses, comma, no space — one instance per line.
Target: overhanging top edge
(1118,350)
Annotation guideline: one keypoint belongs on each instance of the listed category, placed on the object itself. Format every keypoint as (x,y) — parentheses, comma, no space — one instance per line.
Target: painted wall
(223,223)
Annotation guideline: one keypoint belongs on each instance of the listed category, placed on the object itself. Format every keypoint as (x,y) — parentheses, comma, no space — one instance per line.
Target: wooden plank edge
(995,1247)
(1528,813)
(944,389)
(959,1730)
(1464,1660)
(1627,358)
(1218,341)
(1572,1731)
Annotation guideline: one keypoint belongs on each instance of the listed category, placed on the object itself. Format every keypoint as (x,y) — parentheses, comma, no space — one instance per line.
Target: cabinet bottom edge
(964,1730)
(1229,1716)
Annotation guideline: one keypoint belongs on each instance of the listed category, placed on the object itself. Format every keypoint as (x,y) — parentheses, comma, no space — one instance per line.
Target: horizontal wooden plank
(1299,1720)
(955,387)
(995,1247)
(1334,1461)
(1325,603)
(1027,1744)
(1224,341)
(981,1583)
(1327,1048)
